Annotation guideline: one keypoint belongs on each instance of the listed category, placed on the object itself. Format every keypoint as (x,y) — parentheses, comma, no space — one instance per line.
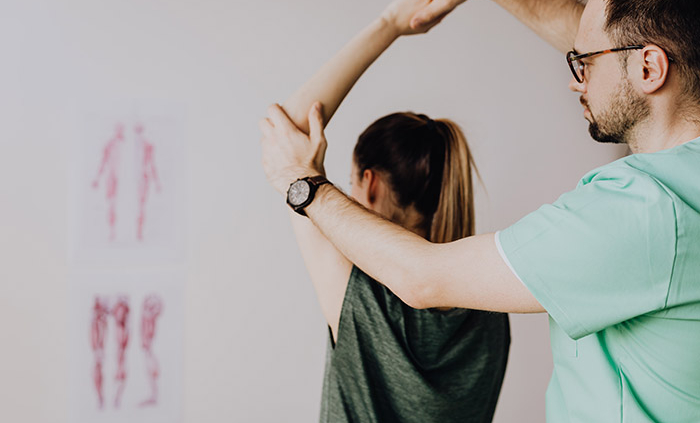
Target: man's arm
(556,21)
(467,273)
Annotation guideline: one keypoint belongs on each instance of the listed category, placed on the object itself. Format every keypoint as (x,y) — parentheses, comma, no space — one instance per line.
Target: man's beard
(624,112)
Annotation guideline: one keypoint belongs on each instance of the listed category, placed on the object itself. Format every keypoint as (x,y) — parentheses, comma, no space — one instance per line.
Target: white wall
(254,335)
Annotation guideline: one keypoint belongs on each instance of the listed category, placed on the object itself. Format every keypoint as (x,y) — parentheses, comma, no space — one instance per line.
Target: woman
(388,362)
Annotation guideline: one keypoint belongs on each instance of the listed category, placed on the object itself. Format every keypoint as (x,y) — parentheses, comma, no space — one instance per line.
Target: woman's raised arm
(334,80)
(328,268)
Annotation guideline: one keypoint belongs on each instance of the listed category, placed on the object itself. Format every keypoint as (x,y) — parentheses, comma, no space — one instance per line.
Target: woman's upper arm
(328,268)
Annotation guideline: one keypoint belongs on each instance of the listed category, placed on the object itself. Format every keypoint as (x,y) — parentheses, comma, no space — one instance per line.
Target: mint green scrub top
(616,264)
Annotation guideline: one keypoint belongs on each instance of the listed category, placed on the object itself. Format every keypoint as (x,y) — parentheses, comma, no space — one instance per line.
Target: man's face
(615,121)
(611,105)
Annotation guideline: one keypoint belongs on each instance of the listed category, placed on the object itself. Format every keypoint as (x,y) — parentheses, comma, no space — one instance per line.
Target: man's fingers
(438,19)
(280,119)
(316,122)
(265,126)
(318,139)
(432,13)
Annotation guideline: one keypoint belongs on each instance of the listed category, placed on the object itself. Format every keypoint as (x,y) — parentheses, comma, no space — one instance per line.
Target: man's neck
(664,132)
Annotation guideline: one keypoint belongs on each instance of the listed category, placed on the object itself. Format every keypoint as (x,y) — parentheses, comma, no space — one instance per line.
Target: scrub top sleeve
(600,254)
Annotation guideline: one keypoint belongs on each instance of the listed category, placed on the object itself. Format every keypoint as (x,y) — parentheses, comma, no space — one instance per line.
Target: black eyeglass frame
(571,56)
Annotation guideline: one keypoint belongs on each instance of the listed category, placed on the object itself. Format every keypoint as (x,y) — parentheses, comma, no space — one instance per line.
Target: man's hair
(673,25)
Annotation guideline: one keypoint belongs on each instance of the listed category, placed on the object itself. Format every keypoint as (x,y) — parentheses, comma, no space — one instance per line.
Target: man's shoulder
(621,169)
(628,175)
(673,163)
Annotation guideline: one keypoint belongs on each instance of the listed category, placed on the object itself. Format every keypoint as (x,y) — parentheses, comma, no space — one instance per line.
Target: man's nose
(576,86)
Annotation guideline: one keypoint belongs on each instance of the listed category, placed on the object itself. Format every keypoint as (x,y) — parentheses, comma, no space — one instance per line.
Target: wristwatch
(301,192)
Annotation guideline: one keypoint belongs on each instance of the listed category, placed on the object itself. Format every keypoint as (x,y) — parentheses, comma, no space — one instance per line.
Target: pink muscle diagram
(146,176)
(147,172)
(110,167)
(152,308)
(98,329)
(117,308)
(120,311)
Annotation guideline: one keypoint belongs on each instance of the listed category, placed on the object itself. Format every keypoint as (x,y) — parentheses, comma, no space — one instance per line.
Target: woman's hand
(417,16)
(288,153)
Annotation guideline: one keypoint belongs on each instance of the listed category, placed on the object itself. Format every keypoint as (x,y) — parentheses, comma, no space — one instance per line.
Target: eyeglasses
(577,66)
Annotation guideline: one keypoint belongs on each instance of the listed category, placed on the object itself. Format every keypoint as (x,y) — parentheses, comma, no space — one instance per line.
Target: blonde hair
(454,217)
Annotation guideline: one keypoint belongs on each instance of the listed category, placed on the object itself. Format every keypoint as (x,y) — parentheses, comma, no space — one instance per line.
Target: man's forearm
(468,273)
(556,21)
(379,247)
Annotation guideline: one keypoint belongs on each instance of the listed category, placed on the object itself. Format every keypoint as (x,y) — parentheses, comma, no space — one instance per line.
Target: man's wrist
(322,194)
(292,175)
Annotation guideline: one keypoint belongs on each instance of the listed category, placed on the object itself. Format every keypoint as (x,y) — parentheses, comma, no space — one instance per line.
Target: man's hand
(432,13)
(288,153)
(399,15)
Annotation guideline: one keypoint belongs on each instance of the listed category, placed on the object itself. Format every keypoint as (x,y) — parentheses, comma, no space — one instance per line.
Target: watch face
(298,192)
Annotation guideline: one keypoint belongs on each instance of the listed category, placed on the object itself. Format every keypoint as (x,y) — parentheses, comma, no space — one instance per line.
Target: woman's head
(424,169)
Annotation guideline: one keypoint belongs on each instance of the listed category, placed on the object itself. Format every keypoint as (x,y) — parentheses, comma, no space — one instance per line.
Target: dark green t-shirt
(393,363)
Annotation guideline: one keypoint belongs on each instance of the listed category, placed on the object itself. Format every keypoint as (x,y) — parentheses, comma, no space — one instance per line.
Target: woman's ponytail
(454,216)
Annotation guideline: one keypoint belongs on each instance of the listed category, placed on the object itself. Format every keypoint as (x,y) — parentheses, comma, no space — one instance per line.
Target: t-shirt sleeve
(600,254)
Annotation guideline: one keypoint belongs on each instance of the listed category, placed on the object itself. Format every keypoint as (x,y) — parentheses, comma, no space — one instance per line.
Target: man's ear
(655,67)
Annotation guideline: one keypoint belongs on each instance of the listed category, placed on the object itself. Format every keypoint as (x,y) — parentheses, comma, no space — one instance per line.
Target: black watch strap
(318,180)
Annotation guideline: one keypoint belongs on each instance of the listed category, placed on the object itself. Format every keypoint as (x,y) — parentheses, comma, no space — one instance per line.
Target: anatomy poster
(128,185)
(126,347)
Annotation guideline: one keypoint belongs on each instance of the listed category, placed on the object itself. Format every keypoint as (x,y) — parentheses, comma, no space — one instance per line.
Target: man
(615,263)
